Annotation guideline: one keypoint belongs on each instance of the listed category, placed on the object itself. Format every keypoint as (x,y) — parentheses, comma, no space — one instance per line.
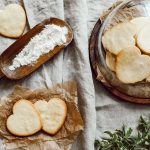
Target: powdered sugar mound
(42,43)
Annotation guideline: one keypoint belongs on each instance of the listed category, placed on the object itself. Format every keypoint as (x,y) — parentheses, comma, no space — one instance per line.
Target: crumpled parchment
(65,136)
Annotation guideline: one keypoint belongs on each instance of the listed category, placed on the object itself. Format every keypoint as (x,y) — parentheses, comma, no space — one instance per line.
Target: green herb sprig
(124,140)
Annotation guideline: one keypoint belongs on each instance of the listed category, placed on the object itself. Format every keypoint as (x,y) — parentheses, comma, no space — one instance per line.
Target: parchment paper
(69,131)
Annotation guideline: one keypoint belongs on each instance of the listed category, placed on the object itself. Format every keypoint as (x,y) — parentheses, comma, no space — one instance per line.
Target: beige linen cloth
(73,63)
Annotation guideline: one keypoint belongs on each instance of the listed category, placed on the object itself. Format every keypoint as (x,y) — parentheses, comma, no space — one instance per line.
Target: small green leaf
(109,133)
(128,133)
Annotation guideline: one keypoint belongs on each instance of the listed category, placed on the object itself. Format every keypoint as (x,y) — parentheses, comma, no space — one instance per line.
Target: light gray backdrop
(73,63)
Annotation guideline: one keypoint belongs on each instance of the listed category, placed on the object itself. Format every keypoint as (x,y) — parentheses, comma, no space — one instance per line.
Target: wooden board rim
(93,61)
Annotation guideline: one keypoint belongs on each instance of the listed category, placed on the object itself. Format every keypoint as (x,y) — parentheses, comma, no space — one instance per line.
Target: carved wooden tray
(10,53)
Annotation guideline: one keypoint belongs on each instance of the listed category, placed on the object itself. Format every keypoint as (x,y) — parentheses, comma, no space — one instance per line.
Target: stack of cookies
(128,48)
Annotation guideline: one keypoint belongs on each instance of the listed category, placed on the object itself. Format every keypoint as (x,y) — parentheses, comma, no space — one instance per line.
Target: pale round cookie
(111,61)
(132,66)
(143,39)
(25,119)
(53,114)
(12,21)
(140,22)
(119,37)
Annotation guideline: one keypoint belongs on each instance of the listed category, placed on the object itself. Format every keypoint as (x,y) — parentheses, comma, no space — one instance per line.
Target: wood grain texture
(94,64)
(1,74)
(9,54)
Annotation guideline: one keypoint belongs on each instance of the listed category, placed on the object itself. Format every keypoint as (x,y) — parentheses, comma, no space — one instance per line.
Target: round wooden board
(94,62)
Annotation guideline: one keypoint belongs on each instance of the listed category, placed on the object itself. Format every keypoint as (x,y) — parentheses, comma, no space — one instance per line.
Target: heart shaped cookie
(143,39)
(12,21)
(111,61)
(25,120)
(140,22)
(53,114)
(132,66)
(119,37)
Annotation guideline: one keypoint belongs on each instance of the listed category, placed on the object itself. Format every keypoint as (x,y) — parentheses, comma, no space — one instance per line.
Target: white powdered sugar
(42,43)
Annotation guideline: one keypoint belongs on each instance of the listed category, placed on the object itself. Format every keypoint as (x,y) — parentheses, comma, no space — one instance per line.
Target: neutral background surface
(73,63)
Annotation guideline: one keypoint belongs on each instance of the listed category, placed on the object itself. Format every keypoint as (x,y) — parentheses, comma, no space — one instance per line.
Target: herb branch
(124,140)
